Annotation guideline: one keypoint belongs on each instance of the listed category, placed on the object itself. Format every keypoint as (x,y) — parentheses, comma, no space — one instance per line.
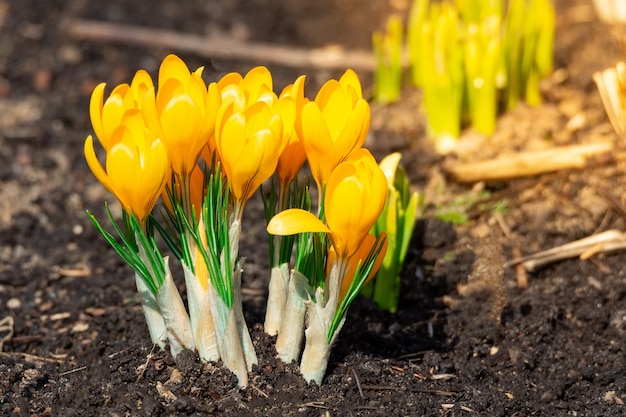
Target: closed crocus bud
(334,125)
(182,113)
(106,115)
(355,196)
(137,154)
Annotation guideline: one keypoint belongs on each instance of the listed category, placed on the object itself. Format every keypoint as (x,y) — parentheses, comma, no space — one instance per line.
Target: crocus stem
(156,325)
(234,233)
(317,348)
(291,333)
(201,318)
(174,314)
(320,316)
(316,353)
(279,274)
(244,335)
(228,339)
(276,299)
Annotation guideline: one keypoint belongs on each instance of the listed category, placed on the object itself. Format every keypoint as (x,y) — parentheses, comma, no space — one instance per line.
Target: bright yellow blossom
(106,115)
(252,129)
(182,112)
(334,125)
(249,143)
(355,196)
(137,165)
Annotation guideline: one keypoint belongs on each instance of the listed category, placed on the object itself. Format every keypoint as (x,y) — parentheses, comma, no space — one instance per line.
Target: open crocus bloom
(334,125)
(138,155)
(252,129)
(354,198)
(249,143)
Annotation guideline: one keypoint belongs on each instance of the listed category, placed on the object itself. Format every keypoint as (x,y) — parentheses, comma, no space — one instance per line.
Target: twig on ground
(529,163)
(71,371)
(257,389)
(142,368)
(520,272)
(6,330)
(221,47)
(358,383)
(609,241)
(315,404)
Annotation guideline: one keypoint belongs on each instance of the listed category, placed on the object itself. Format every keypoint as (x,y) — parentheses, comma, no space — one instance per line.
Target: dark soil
(466,339)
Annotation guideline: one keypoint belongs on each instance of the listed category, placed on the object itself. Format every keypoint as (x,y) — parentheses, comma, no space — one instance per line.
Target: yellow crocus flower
(182,112)
(248,143)
(252,129)
(333,125)
(106,115)
(137,165)
(355,196)
(241,92)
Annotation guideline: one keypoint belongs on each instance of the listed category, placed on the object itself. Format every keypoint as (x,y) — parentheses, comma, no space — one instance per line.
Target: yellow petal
(95,166)
(142,82)
(350,81)
(336,111)
(173,67)
(95,110)
(294,221)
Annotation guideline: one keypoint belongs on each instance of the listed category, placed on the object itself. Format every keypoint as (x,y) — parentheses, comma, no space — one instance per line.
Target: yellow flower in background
(249,143)
(182,113)
(106,115)
(137,165)
(334,125)
(293,156)
(355,196)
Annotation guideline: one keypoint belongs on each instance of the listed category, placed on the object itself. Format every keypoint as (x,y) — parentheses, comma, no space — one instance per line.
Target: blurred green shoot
(472,57)
(388,54)
(528,40)
(482,72)
(397,220)
(441,58)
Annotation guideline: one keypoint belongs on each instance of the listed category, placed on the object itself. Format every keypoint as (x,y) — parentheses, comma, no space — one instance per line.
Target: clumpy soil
(466,339)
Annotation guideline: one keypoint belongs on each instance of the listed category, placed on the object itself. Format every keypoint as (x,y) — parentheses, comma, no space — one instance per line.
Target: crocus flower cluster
(204,150)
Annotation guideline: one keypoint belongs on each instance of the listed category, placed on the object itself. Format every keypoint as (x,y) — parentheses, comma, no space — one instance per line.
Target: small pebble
(14,303)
